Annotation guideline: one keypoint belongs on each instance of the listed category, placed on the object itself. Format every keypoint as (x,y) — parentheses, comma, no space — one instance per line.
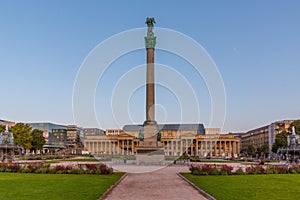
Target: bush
(226,170)
(26,170)
(210,169)
(255,170)
(34,167)
(239,171)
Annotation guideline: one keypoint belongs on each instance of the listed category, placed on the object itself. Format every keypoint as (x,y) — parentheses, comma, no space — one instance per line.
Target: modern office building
(55,135)
(74,136)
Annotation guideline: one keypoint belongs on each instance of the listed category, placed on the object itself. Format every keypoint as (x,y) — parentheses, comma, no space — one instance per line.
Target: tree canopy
(2,128)
(38,140)
(22,135)
(280,141)
(251,150)
(264,148)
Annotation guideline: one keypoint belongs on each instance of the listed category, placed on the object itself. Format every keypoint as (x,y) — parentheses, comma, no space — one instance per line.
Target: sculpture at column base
(150,151)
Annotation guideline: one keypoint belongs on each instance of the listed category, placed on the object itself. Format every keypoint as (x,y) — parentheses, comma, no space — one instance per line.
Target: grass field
(271,186)
(16,186)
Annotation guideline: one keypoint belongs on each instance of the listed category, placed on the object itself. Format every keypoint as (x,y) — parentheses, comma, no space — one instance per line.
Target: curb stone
(205,194)
(108,191)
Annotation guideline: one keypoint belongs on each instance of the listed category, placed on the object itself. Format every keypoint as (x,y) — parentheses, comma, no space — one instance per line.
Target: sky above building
(254,45)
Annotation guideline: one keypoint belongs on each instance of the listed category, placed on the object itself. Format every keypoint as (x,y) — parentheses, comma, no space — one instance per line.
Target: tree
(22,135)
(280,141)
(264,149)
(251,150)
(2,128)
(38,140)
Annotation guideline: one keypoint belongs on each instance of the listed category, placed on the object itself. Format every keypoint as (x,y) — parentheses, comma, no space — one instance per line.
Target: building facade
(92,132)
(54,134)
(177,139)
(263,135)
(5,122)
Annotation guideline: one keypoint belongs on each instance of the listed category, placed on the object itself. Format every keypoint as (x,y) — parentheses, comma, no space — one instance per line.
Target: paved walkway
(160,184)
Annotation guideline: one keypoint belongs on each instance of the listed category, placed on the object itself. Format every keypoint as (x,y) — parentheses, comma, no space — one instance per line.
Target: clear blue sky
(255,45)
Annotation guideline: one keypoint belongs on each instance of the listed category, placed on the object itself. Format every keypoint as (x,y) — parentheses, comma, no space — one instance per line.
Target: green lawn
(271,186)
(54,186)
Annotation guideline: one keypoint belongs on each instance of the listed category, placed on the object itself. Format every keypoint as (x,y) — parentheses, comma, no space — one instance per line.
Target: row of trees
(264,149)
(26,137)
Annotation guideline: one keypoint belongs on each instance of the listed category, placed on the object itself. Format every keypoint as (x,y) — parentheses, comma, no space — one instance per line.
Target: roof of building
(175,127)
(46,126)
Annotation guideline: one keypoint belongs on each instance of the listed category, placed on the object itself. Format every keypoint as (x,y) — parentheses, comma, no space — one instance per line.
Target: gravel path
(160,184)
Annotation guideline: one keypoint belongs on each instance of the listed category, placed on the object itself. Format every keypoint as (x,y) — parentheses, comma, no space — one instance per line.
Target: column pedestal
(150,151)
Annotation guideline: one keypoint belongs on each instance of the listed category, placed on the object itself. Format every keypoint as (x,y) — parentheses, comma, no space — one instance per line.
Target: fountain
(7,146)
(292,151)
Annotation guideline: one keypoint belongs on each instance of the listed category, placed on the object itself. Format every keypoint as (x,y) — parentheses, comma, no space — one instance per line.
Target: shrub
(26,170)
(255,170)
(281,169)
(226,170)
(34,166)
(270,169)
(98,169)
(239,171)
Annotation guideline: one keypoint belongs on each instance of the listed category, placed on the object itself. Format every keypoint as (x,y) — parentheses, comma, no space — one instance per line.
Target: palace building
(177,139)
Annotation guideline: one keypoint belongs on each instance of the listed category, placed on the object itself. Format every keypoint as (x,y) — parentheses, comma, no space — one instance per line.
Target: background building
(5,122)
(92,131)
(74,139)
(113,131)
(263,135)
(54,134)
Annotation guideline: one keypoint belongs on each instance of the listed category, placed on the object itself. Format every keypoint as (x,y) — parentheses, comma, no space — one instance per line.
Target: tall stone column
(150,149)
(150,126)
(150,42)
(150,89)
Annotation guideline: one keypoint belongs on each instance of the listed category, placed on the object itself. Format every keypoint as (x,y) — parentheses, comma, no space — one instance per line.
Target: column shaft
(150,89)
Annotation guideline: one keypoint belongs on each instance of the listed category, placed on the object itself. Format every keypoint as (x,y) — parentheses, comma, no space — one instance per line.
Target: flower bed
(41,168)
(212,169)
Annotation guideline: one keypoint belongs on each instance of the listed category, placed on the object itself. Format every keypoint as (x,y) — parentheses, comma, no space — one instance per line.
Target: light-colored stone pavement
(160,184)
